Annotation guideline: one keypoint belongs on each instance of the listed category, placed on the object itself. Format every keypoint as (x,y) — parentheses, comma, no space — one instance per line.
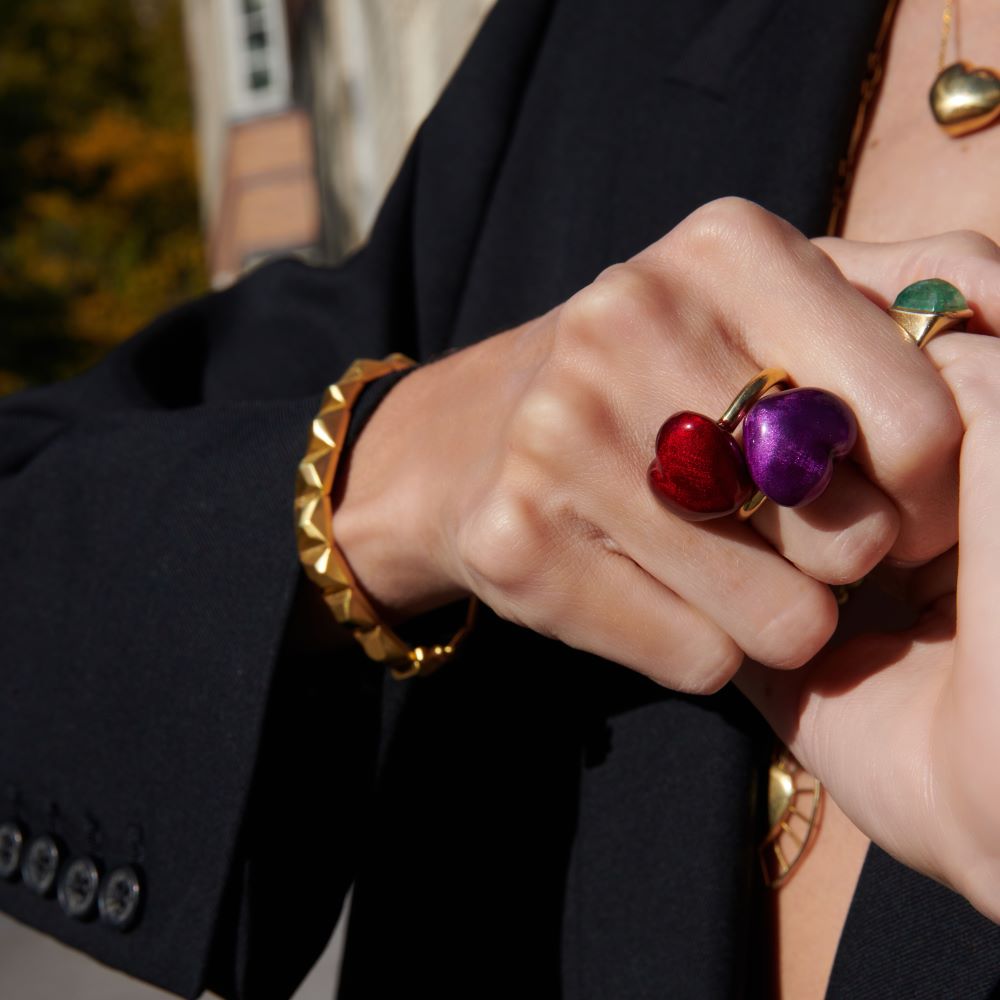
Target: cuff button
(11,849)
(120,898)
(77,891)
(40,865)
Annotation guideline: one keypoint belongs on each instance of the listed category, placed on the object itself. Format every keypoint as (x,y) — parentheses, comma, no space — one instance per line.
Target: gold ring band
(926,308)
(761,383)
(758,386)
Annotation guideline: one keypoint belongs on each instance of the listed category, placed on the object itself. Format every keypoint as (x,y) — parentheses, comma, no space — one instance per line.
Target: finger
(969,260)
(838,538)
(792,309)
(858,718)
(774,613)
(970,365)
(602,602)
(600,433)
(724,569)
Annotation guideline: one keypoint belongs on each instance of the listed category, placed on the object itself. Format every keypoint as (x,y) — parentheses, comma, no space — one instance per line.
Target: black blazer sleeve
(147,569)
(156,712)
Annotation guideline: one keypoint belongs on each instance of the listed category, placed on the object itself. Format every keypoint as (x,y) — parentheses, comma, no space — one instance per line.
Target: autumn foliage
(99,226)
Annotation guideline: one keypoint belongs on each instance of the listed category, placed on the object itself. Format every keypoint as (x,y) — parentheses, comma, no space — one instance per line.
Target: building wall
(302,165)
(258,175)
(369,71)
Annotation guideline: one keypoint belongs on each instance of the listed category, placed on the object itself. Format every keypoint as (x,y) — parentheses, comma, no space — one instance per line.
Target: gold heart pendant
(964,99)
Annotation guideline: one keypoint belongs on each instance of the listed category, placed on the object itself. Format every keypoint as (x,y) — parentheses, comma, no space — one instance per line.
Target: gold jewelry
(926,308)
(791,440)
(963,98)
(322,560)
(794,811)
(754,390)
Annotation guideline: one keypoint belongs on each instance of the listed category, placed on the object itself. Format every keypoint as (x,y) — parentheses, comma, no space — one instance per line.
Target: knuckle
(502,543)
(841,552)
(970,243)
(543,424)
(730,212)
(687,653)
(964,257)
(727,228)
(718,659)
(515,556)
(854,553)
(595,317)
(796,631)
(558,424)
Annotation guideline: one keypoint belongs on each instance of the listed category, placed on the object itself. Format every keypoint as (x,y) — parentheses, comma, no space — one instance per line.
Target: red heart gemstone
(699,470)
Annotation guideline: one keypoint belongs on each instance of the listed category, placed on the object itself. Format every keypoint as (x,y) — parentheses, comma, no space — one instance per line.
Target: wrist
(386,504)
(419,465)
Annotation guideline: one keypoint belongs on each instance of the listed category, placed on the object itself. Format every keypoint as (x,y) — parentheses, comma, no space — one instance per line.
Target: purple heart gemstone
(791,440)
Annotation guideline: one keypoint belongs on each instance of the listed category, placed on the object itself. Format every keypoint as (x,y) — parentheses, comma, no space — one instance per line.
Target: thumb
(971,367)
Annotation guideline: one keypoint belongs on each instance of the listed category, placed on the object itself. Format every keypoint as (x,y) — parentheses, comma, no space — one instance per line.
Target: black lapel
(908,936)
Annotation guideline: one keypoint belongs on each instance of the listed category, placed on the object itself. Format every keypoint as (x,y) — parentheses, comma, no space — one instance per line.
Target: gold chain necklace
(964,98)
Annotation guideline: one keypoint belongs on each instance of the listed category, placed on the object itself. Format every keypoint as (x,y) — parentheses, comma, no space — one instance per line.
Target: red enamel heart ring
(791,440)
(699,470)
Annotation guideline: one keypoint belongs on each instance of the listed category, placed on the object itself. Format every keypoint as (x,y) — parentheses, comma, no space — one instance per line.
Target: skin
(528,489)
(537,502)
(824,885)
(911,181)
(920,702)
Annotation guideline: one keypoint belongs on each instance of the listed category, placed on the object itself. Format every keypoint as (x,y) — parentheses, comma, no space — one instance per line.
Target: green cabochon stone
(932,295)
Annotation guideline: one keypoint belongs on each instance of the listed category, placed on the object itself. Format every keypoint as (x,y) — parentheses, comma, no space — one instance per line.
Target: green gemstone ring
(926,308)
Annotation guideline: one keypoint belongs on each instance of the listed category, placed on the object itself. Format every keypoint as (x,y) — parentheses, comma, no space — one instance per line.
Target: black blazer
(531,820)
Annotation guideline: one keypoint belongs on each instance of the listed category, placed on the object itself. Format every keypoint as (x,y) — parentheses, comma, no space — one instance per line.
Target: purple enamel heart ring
(791,439)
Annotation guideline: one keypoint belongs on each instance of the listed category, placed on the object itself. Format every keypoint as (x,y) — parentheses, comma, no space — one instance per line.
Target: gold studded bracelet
(322,560)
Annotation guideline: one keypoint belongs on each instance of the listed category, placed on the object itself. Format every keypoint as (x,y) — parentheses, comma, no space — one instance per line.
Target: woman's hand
(516,469)
(903,728)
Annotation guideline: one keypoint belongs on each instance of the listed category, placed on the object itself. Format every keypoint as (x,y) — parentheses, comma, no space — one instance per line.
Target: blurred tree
(99,225)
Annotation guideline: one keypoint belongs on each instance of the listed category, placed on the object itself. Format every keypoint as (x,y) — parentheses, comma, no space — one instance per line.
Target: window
(257,67)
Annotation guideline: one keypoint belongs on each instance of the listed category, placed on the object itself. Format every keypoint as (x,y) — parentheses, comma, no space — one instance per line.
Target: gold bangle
(322,560)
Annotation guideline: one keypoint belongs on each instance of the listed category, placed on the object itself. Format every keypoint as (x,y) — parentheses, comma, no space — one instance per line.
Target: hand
(902,728)
(515,469)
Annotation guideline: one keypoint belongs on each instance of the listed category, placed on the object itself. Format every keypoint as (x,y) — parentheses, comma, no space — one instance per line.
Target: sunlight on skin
(901,727)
